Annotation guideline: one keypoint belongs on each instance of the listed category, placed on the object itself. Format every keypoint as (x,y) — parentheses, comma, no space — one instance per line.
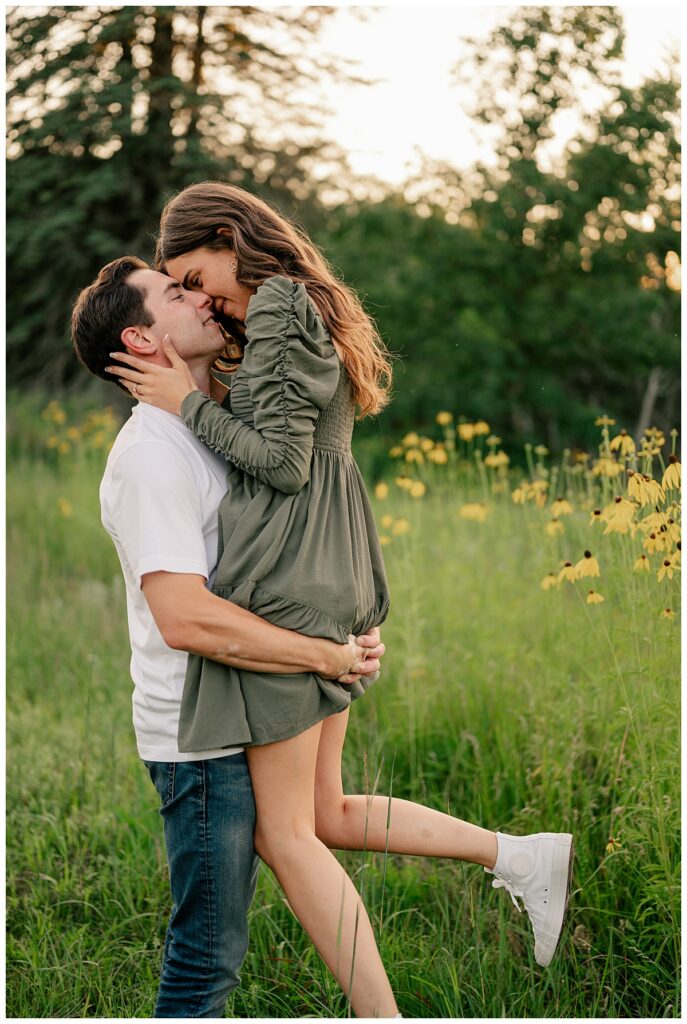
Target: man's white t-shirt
(159,500)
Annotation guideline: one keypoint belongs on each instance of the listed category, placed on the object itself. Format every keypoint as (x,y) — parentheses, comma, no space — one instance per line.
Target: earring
(234,267)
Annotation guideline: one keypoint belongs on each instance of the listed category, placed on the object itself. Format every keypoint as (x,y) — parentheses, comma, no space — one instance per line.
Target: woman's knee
(282,840)
(330,816)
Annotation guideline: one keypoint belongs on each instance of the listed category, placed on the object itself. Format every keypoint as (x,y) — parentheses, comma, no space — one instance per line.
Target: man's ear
(135,342)
(225,233)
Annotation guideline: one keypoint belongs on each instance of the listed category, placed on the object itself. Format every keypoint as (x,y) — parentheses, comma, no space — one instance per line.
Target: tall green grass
(515,708)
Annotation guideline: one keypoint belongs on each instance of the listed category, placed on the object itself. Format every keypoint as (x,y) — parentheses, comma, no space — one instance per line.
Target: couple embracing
(255,591)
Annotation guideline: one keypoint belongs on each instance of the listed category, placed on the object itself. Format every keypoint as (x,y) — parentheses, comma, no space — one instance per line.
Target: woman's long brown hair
(266,244)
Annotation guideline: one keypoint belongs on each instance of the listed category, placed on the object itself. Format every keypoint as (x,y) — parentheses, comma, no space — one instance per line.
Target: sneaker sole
(561,877)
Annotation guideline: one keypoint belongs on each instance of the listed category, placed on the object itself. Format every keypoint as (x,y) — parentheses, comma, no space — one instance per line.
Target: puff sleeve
(292,371)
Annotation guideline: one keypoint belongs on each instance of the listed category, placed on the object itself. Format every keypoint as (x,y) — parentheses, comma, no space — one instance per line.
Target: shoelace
(511,889)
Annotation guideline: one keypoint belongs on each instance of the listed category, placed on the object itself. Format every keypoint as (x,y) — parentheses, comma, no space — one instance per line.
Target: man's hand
(367,650)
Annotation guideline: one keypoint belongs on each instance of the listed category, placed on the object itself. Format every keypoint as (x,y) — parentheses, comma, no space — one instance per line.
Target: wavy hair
(266,244)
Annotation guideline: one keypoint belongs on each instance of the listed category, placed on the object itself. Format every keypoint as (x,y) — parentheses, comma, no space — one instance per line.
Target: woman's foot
(537,869)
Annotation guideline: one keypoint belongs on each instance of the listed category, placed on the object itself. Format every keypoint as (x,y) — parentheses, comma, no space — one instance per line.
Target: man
(159,497)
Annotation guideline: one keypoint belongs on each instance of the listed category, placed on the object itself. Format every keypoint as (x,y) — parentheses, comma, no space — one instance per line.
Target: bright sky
(413,50)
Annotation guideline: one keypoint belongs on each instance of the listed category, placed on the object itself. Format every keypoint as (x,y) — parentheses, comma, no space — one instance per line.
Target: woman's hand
(165,387)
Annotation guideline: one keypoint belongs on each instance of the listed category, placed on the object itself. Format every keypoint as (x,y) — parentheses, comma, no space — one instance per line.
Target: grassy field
(512,706)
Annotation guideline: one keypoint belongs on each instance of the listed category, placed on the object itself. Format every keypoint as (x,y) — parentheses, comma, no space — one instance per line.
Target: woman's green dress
(298,543)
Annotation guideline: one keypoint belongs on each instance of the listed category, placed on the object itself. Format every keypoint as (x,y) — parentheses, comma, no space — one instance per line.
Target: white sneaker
(537,869)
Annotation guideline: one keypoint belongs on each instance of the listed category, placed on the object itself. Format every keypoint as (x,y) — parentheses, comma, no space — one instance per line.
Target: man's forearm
(220,630)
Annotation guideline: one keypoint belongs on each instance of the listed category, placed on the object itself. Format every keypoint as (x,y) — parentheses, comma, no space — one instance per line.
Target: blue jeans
(209,817)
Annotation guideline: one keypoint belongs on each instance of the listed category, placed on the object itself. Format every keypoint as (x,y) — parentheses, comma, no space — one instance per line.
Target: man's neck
(208,384)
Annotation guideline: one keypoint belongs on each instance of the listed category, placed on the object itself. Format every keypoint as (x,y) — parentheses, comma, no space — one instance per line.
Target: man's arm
(191,618)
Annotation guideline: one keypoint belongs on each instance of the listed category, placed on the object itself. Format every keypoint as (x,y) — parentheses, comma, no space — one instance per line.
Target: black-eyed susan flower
(417,489)
(403,482)
(642,564)
(481,427)
(438,456)
(386,522)
(677,554)
(594,598)
(382,491)
(549,581)
(496,459)
(673,474)
(618,516)
(554,527)
(673,530)
(396,451)
(410,440)
(466,431)
(596,517)
(667,613)
(568,572)
(561,507)
(493,440)
(587,566)
(613,844)
(384,539)
(541,450)
(606,467)
(623,443)
(444,418)
(477,511)
(656,542)
(415,455)
(426,444)
(400,527)
(519,495)
(665,570)
(604,421)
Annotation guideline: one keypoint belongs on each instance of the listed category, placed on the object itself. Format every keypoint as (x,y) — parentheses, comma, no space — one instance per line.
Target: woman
(300,549)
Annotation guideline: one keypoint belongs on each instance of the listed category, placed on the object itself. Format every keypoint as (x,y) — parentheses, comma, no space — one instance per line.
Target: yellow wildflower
(642,564)
(426,444)
(496,459)
(64,507)
(606,467)
(568,572)
(481,427)
(474,510)
(612,845)
(594,598)
(667,613)
(656,542)
(673,530)
(64,447)
(618,516)
(493,441)
(414,455)
(387,521)
(395,451)
(400,527)
(410,440)
(587,566)
(665,570)
(382,491)
(561,507)
(438,455)
(58,415)
(53,441)
(604,421)
(623,443)
(596,517)
(550,580)
(677,554)
(417,489)
(554,527)
(383,539)
(519,495)
(403,482)
(541,450)
(73,433)
(654,521)
(673,474)
(444,418)
(466,431)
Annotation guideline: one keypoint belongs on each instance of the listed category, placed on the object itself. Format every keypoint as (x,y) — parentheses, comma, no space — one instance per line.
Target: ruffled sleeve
(292,371)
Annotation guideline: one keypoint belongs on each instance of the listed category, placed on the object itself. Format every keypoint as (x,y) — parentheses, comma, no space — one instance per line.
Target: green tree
(111,109)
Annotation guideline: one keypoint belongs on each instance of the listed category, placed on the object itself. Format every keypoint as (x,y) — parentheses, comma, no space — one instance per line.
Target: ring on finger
(134,388)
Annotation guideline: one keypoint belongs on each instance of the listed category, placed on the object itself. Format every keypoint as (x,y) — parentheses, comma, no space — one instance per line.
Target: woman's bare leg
(318,889)
(346,822)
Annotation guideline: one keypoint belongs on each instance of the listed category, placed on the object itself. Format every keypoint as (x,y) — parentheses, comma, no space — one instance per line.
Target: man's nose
(203,299)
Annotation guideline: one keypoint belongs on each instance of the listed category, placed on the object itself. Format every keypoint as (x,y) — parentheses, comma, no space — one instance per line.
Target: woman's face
(209,271)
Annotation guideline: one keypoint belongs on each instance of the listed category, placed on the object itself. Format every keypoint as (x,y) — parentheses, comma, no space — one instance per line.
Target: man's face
(184,315)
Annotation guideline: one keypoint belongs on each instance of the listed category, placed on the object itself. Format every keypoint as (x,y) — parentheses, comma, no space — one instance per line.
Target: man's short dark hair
(103,310)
